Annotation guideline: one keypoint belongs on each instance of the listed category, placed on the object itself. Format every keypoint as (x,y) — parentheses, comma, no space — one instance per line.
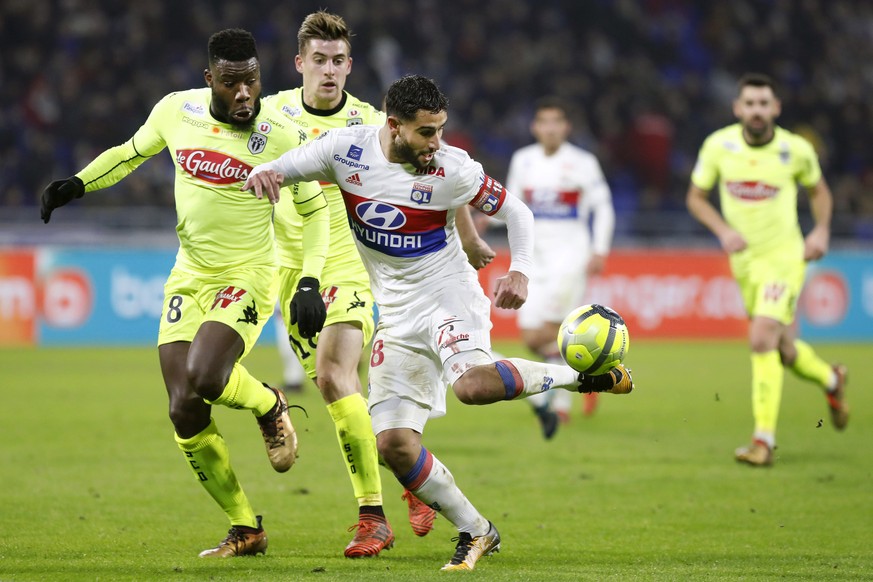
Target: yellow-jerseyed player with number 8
(223,286)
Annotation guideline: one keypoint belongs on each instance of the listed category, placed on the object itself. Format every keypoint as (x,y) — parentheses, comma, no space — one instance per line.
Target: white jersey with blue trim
(402,217)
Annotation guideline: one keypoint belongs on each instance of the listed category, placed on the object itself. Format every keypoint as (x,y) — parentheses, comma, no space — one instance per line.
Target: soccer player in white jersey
(757,165)
(401,188)
(331,359)
(563,186)
(223,286)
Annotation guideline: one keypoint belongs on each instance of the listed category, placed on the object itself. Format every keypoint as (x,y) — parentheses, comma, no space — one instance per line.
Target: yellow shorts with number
(347,301)
(241,298)
(770,288)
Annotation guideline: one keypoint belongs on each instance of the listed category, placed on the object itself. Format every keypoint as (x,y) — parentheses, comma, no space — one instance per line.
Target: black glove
(307,308)
(59,193)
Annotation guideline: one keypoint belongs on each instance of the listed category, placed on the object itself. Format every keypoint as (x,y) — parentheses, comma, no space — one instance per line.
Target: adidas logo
(354,179)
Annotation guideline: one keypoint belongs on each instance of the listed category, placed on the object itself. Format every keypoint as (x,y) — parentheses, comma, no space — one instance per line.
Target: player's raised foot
(372,536)
(420,515)
(757,454)
(470,549)
(837,398)
(549,420)
(279,435)
(240,541)
(617,381)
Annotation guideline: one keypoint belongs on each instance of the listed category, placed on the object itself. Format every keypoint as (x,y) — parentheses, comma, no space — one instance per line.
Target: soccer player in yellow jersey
(324,61)
(223,286)
(757,166)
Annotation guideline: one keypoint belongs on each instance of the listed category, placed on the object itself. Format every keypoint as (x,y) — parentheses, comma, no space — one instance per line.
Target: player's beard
(222,113)
(401,150)
(758,132)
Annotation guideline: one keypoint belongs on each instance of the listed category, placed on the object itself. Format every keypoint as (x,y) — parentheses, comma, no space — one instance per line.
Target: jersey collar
(326,112)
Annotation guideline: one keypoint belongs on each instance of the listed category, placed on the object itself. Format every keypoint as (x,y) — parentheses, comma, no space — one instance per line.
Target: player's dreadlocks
(407,95)
(232,44)
(322,25)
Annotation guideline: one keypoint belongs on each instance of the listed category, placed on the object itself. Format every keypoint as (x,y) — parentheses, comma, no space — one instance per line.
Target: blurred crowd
(649,79)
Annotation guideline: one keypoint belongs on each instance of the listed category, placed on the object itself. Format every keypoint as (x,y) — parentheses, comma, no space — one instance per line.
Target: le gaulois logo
(752,190)
(213,167)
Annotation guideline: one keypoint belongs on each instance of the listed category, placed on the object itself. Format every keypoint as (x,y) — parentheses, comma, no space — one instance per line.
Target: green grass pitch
(94,488)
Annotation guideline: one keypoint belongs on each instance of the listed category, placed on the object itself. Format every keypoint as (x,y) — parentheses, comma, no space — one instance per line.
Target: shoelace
(465,541)
(272,427)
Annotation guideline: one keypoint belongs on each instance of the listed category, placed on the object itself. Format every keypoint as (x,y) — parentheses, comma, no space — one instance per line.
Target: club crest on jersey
(354,121)
(257,142)
(265,127)
(421,193)
(784,154)
(355,153)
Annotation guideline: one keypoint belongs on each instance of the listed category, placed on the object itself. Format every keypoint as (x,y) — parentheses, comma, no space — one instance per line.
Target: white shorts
(417,353)
(552,294)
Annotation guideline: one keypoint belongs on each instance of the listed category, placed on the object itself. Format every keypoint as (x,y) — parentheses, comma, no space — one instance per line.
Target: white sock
(539,377)
(438,490)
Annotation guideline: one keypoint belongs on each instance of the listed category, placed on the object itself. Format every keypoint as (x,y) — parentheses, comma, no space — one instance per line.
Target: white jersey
(562,190)
(403,218)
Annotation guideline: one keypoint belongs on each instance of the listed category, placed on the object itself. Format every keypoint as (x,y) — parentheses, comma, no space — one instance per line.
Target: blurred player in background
(401,187)
(563,186)
(222,288)
(324,61)
(757,165)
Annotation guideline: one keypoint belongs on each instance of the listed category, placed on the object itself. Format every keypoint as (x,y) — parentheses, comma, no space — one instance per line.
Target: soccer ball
(593,339)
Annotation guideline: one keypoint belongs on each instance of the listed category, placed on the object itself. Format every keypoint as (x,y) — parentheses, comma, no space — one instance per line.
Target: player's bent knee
(398,451)
(189,416)
(471,388)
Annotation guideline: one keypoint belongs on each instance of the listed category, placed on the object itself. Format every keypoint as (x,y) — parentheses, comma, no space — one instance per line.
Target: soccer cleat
(617,381)
(549,420)
(837,398)
(420,515)
(240,541)
(279,435)
(470,549)
(373,535)
(757,454)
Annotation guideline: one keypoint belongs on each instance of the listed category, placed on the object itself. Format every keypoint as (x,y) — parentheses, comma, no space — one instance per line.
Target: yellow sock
(243,391)
(207,455)
(811,367)
(767,376)
(358,447)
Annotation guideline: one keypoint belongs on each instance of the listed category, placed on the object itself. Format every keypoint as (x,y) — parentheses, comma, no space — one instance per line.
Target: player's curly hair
(409,94)
(232,44)
(322,25)
(756,80)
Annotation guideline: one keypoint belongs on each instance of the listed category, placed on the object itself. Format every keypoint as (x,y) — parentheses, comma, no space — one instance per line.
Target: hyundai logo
(380,215)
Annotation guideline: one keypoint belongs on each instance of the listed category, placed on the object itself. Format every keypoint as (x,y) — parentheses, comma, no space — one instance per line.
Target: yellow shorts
(347,301)
(771,289)
(241,298)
